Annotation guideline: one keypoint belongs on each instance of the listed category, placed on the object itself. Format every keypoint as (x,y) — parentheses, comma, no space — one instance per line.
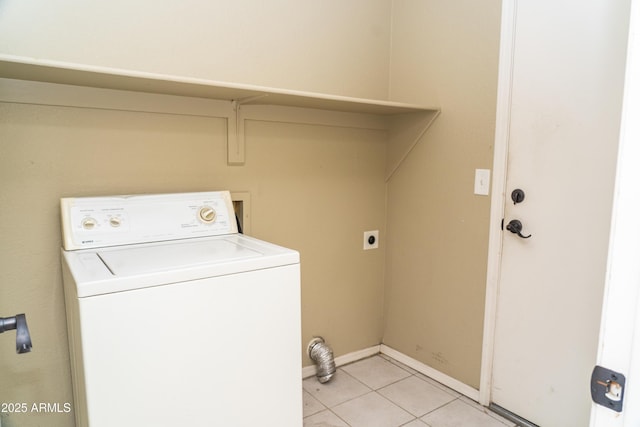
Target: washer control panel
(92,222)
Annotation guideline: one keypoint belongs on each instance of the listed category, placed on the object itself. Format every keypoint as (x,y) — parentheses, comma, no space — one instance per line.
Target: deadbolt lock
(517,196)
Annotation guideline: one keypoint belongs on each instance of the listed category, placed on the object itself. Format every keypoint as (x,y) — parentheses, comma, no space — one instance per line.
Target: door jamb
(619,343)
(500,157)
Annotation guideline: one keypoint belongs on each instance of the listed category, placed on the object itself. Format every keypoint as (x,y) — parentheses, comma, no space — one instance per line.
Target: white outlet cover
(483,179)
(367,234)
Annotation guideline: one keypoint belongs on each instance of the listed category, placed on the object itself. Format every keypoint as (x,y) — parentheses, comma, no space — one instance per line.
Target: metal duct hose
(322,356)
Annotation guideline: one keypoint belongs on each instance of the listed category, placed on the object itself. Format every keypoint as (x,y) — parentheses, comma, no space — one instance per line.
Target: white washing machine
(176,319)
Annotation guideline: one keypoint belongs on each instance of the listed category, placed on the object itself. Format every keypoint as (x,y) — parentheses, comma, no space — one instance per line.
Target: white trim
(234,112)
(39,93)
(61,95)
(300,115)
(309,371)
(500,156)
(434,374)
(444,379)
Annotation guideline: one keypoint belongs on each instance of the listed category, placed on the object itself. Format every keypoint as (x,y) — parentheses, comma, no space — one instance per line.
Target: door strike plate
(607,388)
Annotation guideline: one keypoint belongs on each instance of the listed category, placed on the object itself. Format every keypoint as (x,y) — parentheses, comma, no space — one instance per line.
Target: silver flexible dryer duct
(322,356)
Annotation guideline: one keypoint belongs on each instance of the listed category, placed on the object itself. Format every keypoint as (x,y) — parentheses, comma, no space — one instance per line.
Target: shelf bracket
(406,131)
(235,135)
(235,130)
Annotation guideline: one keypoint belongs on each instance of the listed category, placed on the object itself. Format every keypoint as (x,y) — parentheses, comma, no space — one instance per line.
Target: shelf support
(406,130)
(235,130)
(235,136)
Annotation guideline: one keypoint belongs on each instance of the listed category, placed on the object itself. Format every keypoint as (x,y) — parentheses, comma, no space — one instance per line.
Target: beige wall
(331,46)
(313,188)
(445,53)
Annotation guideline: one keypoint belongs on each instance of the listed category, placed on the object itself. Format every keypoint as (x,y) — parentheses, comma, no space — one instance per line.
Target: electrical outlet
(370,240)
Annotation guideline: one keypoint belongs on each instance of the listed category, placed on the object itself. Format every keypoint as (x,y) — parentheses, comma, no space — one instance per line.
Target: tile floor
(382,392)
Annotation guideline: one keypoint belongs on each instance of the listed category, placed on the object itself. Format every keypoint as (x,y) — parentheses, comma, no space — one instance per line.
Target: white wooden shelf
(406,122)
(20,68)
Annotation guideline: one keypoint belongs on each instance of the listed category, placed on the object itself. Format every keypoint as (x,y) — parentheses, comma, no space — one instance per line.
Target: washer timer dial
(89,223)
(207,214)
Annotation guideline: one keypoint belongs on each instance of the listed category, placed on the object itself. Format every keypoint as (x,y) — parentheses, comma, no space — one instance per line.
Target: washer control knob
(115,221)
(89,223)
(207,214)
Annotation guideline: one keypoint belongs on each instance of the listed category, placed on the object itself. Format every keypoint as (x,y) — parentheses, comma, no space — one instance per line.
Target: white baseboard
(309,371)
(427,370)
(452,383)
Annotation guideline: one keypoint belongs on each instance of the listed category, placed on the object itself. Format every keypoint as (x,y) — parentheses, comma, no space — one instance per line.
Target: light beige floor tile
(398,364)
(416,395)
(439,385)
(415,423)
(325,418)
(311,405)
(372,410)
(376,372)
(460,414)
(341,388)
(487,411)
(402,394)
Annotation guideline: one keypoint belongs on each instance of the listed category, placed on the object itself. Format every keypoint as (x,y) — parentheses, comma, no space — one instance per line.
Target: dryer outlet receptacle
(371,239)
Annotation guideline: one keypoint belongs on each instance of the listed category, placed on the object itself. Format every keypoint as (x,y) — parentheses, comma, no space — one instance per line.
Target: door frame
(498,193)
(620,329)
(619,345)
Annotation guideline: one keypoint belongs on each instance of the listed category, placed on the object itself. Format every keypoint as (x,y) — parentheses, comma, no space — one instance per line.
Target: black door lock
(517,196)
(515,227)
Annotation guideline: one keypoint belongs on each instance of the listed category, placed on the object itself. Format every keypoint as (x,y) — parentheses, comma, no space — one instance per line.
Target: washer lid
(124,268)
(129,261)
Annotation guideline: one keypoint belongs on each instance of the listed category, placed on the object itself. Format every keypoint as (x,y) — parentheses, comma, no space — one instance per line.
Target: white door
(567,75)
